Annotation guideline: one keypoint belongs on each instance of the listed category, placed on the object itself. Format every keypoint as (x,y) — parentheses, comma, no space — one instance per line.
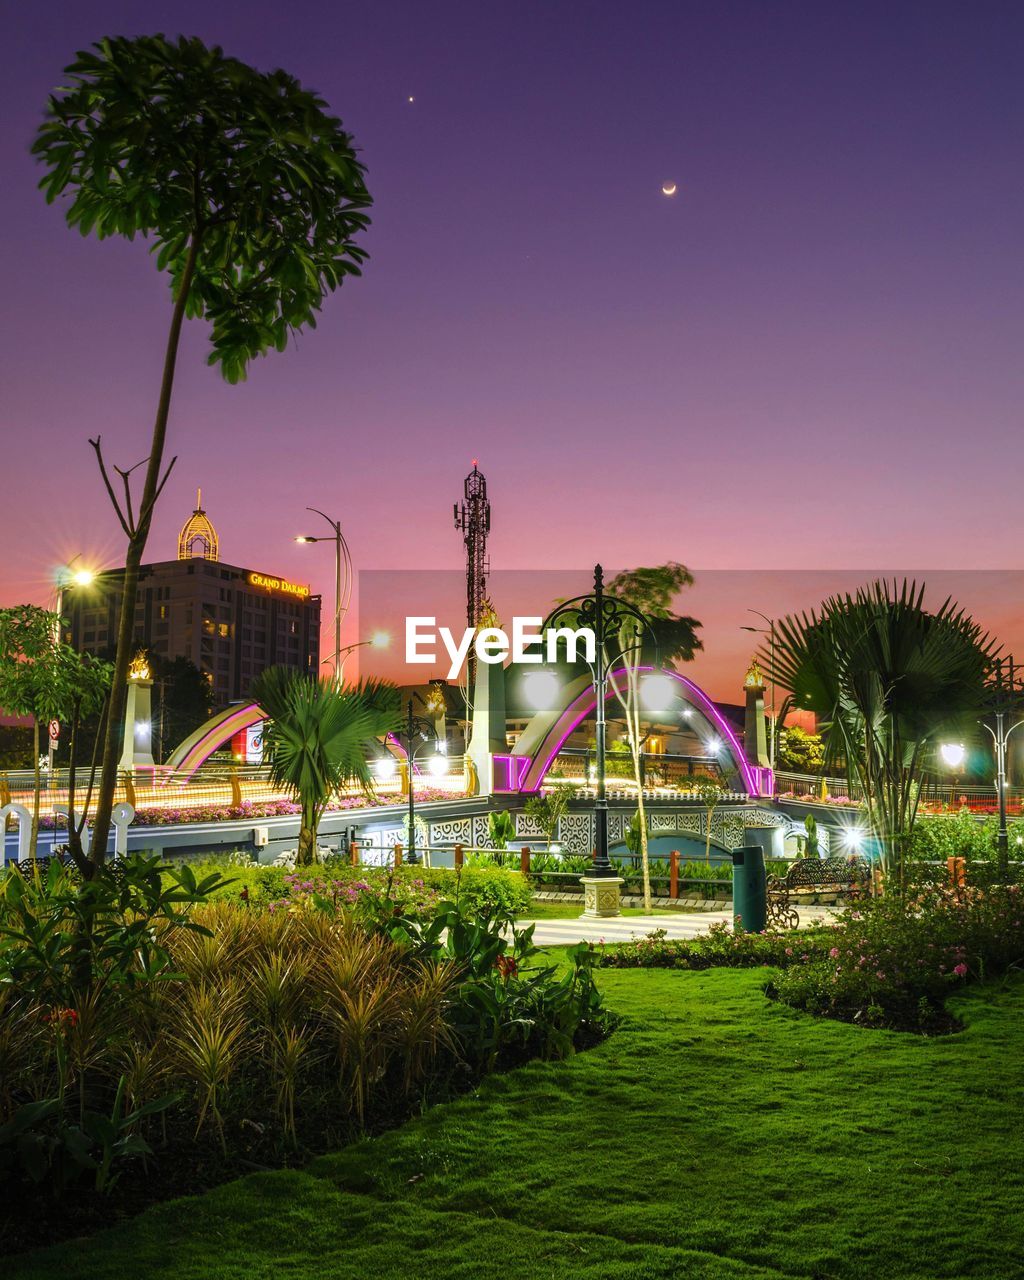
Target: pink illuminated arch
(210,737)
(546,734)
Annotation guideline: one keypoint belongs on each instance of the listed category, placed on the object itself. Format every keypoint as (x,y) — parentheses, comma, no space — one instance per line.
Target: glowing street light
(67,576)
(540,689)
(953,754)
(379,640)
(658,692)
(385,767)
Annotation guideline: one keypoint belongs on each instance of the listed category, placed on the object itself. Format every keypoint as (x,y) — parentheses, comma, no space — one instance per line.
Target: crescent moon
(668,189)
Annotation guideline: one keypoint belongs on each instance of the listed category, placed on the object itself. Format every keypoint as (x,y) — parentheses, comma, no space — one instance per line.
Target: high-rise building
(231,622)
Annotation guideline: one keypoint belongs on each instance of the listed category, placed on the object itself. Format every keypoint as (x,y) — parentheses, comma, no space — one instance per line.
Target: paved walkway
(677,924)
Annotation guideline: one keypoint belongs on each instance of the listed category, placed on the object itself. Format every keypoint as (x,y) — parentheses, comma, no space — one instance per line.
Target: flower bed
(172,815)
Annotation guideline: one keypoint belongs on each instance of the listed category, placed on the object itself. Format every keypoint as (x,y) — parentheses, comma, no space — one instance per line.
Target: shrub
(719,947)
(479,889)
(136,1018)
(893,962)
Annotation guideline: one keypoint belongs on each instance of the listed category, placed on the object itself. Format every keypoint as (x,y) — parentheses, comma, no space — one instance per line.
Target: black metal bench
(809,876)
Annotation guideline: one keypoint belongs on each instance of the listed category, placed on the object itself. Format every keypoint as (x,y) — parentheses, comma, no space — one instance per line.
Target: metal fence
(542,866)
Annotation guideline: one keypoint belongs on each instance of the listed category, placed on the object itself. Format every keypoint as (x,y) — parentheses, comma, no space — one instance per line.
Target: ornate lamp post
(605,615)
(418,732)
(1005,695)
(1005,698)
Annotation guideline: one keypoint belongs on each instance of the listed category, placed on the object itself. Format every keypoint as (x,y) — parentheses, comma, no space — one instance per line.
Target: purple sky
(808,358)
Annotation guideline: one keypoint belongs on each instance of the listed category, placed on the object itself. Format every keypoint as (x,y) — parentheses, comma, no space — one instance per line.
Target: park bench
(810,876)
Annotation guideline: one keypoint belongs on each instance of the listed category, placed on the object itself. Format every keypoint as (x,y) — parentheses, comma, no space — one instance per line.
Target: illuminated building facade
(231,622)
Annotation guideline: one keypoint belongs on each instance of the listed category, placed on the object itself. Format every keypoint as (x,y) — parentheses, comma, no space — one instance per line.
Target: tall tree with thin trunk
(671,637)
(250,193)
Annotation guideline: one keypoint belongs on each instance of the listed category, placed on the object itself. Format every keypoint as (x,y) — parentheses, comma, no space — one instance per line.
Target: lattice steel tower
(473,517)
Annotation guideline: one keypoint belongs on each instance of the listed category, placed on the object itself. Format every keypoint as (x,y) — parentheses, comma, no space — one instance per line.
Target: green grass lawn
(714,1135)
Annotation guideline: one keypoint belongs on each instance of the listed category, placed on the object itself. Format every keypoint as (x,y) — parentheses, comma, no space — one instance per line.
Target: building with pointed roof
(230,621)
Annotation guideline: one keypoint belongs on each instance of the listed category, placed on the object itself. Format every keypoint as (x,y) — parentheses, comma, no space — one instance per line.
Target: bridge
(193,803)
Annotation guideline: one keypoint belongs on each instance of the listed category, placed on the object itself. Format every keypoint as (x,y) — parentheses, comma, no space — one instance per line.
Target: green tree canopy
(653,591)
(243,171)
(44,679)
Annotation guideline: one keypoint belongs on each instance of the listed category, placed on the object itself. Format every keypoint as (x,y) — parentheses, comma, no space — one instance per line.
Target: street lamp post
(770,633)
(1005,693)
(65,578)
(418,732)
(605,615)
(1003,690)
(342,557)
(379,640)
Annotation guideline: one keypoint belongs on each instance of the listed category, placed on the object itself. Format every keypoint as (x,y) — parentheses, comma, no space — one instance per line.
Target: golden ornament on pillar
(138,668)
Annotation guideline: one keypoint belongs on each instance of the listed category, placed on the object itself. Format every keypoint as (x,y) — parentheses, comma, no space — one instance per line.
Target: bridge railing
(660,769)
(813,788)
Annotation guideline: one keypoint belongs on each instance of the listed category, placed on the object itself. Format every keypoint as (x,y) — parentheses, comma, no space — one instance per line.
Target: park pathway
(610,929)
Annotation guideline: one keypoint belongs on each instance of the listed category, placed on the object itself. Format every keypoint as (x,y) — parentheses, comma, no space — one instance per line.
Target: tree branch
(110,488)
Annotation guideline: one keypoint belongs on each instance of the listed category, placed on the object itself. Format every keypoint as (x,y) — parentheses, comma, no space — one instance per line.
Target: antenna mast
(473,519)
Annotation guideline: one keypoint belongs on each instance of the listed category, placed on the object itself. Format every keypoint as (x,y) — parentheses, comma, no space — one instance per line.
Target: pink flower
(960,970)
(834,953)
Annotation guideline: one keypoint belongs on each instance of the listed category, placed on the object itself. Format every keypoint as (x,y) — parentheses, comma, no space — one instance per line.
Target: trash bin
(749,888)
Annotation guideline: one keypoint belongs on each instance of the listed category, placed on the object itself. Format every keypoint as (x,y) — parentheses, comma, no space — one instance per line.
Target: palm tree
(887,680)
(317,738)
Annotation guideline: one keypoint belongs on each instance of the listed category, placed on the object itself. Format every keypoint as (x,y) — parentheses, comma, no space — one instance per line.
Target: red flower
(62,1017)
(506,966)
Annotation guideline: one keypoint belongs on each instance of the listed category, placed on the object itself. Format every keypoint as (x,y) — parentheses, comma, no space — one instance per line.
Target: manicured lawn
(714,1135)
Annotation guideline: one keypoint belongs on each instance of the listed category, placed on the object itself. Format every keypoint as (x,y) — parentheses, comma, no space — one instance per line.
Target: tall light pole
(418,732)
(342,583)
(66,577)
(1005,698)
(770,633)
(1003,691)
